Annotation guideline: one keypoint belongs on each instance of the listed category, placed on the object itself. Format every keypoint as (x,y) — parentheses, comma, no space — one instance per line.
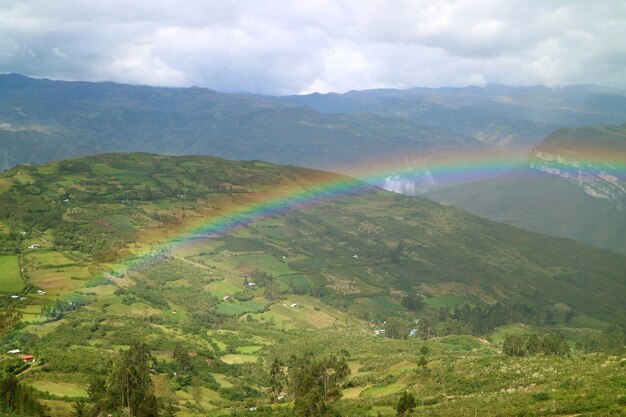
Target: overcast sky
(291,47)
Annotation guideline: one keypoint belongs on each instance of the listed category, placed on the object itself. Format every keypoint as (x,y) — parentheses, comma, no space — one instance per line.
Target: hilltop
(106,250)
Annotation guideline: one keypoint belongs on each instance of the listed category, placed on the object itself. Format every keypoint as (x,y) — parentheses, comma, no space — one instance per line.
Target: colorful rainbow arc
(329,187)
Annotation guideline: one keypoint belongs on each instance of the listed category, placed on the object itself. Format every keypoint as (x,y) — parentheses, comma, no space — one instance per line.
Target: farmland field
(10,273)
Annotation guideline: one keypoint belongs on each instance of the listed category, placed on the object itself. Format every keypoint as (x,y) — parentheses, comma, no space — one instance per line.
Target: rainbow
(405,174)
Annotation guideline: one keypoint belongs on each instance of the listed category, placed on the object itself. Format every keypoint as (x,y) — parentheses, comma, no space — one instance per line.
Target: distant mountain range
(572,185)
(498,115)
(43,120)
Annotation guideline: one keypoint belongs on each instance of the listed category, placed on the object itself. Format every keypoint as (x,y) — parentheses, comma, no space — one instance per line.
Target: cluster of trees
(406,404)
(612,342)
(9,317)
(482,319)
(10,243)
(314,382)
(128,386)
(87,239)
(465,319)
(530,345)
(20,398)
(57,310)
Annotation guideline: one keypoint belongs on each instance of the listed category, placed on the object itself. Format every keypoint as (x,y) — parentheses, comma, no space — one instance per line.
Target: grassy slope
(132,202)
(11,281)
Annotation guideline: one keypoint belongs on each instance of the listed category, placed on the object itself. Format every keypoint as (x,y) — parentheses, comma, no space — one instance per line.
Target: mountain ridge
(572,185)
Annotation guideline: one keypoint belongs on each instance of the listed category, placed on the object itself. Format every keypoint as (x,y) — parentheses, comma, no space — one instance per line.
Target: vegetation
(315,383)
(186,318)
(19,398)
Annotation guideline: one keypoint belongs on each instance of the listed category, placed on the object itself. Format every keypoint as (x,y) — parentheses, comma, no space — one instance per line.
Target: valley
(224,268)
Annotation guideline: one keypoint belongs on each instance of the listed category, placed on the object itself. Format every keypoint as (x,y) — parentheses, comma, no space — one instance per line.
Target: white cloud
(286,46)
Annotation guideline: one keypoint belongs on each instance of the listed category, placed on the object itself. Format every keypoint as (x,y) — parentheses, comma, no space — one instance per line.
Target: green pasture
(222,380)
(10,281)
(295,281)
(267,263)
(384,306)
(50,259)
(135,309)
(498,335)
(237,358)
(220,289)
(5,184)
(59,384)
(60,280)
(302,317)
(236,308)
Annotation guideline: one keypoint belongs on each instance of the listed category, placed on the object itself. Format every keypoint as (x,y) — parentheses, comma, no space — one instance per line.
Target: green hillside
(584,206)
(116,249)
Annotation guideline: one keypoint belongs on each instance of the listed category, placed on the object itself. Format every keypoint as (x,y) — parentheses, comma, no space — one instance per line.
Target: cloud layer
(289,46)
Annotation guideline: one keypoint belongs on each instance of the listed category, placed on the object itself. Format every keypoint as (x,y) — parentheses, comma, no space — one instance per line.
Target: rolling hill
(572,185)
(237,264)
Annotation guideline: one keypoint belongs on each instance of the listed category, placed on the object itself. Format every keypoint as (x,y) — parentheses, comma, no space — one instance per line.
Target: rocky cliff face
(599,180)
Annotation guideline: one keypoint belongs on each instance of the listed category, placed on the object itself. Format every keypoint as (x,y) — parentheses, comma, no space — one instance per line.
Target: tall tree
(129,383)
(406,404)
(276,378)
(316,383)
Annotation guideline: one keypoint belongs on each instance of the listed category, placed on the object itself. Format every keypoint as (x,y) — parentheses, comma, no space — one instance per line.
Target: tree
(80,409)
(396,328)
(315,383)
(8,319)
(412,302)
(129,384)
(406,404)
(181,357)
(276,379)
(15,396)
(271,291)
(514,346)
(169,408)
(422,362)
(397,253)
(97,393)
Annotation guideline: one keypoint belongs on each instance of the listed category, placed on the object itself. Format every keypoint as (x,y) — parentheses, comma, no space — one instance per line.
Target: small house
(295,305)
(226,298)
(379,332)
(251,284)
(14,352)
(34,246)
(28,358)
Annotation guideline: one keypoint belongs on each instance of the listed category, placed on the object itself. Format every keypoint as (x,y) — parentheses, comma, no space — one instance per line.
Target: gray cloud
(282,47)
